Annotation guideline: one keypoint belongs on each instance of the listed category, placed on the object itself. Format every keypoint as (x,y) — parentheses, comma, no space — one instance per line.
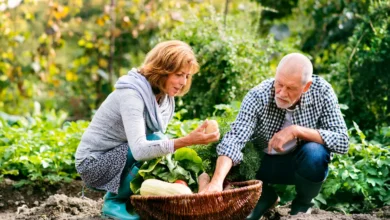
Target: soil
(66,201)
(63,201)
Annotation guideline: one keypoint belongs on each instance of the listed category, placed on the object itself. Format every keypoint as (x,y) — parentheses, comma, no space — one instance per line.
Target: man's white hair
(294,61)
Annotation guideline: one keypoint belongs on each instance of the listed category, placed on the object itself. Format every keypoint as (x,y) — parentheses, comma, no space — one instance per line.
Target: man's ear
(307,86)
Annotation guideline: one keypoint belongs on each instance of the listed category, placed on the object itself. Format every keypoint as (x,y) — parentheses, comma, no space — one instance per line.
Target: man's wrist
(296,131)
(217,181)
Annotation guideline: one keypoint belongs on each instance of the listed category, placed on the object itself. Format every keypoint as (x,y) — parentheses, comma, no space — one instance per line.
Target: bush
(232,61)
(362,70)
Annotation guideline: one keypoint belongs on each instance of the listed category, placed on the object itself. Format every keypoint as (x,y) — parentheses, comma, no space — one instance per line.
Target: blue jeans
(310,161)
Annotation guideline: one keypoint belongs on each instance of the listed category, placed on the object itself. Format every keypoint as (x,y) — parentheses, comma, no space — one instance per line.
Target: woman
(130,123)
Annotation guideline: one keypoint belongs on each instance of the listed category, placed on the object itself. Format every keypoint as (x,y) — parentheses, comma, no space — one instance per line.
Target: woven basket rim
(249,185)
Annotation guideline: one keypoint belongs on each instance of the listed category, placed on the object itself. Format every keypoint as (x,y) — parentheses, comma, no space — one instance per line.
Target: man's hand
(282,137)
(212,187)
(222,168)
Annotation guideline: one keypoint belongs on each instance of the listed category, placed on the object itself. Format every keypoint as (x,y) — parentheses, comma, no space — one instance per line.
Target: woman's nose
(183,81)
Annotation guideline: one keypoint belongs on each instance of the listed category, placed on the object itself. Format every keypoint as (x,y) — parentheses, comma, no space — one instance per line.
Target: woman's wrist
(182,142)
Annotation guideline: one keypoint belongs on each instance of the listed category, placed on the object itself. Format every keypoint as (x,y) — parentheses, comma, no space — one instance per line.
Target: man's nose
(283,92)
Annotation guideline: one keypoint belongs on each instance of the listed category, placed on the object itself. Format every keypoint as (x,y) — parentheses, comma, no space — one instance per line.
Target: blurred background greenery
(59,60)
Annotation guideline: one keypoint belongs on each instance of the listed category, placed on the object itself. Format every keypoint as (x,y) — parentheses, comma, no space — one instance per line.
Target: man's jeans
(310,161)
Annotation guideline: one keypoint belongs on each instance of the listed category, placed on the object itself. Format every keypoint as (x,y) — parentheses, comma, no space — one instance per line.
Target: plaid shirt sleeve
(241,129)
(331,123)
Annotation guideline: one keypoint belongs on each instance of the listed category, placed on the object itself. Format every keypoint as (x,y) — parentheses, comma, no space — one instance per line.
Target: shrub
(232,61)
(362,70)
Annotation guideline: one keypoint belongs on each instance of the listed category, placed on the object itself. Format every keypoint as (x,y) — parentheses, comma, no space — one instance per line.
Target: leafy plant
(184,164)
(39,150)
(361,175)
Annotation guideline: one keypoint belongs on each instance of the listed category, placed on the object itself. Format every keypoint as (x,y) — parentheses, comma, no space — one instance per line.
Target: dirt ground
(66,202)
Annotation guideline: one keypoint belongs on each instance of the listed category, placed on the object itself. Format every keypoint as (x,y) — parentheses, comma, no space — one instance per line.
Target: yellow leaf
(89,45)
(103,63)
(70,76)
(100,21)
(81,42)
(53,70)
(56,82)
(65,12)
(51,93)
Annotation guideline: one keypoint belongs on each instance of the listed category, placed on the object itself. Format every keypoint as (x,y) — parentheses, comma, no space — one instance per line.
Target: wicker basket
(234,204)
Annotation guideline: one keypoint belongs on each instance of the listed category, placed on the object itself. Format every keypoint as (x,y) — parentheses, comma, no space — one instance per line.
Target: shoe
(114,205)
(268,200)
(306,191)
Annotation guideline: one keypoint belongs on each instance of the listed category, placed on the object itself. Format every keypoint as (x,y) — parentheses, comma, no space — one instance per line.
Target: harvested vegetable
(184,164)
(211,127)
(181,182)
(154,187)
(203,180)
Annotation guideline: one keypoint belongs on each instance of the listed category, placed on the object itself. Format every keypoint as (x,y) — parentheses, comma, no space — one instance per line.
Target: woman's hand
(198,136)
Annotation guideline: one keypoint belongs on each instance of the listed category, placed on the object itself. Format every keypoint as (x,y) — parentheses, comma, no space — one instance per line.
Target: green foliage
(39,150)
(334,21)
(274,9)
(361,175)
(362,70)
(231,62)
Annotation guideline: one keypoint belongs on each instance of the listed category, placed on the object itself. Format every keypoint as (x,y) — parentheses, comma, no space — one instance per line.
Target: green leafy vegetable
(184,164)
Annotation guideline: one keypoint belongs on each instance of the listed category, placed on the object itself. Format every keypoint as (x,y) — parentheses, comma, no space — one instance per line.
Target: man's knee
(312,161)
(313,153)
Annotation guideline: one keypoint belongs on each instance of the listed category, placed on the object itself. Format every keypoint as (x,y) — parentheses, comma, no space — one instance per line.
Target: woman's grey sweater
(125,117)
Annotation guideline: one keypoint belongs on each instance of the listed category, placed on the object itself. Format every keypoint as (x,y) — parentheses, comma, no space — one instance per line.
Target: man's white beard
(283,105)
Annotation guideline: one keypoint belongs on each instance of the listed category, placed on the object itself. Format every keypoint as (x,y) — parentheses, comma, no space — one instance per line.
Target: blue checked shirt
(259,119)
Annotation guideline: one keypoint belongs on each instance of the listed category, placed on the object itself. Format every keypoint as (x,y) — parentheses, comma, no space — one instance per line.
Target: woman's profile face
(176,81)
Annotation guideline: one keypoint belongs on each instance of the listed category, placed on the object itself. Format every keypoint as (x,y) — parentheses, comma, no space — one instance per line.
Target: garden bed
(64,202)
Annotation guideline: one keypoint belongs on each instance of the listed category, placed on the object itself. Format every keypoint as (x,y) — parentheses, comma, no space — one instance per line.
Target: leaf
(344,175)
(189,160)
(375,181)
(353,176)
(371,171)
(321,198)
(148,166)
(45,164)
(359,132)
(136,183)
(10,172)
(331,186)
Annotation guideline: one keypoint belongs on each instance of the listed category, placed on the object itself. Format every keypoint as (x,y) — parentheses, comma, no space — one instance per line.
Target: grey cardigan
(127,115)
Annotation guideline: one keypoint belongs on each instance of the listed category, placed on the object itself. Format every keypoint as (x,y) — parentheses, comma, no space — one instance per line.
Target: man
(295,119)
